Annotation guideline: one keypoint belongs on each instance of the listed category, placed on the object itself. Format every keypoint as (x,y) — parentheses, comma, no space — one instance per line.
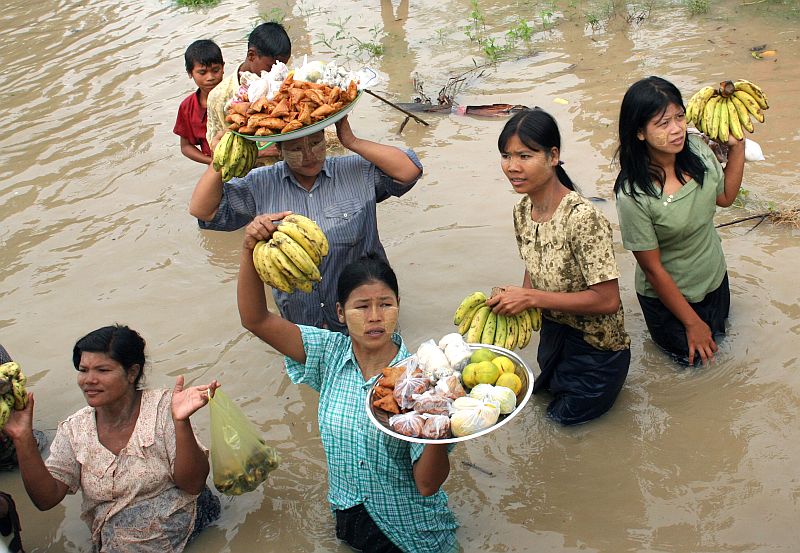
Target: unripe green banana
(489,329)
(713,130)
(708,115)
(524,335)
(501,333)
(476,326)
(5,412)
(10,369)
(535,315)
(20,395)
(467,305)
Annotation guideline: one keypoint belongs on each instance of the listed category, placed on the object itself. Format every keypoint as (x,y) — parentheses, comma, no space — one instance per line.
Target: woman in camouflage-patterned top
(570,274)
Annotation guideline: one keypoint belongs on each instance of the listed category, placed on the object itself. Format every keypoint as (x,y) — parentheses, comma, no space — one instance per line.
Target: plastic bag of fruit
(240,458)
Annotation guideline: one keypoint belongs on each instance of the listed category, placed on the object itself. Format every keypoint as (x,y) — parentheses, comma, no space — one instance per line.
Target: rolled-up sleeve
(236,208)
(386,186)
(317,342)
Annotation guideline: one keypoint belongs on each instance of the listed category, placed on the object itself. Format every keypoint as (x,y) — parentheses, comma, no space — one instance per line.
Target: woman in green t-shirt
(667,191)
(570,274)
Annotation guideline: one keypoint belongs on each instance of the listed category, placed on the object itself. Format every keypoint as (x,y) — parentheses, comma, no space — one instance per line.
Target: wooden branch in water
(762,216)
(398,108)
(471,465)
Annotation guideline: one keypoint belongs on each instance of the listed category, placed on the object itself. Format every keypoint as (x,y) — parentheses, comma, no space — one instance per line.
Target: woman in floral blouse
(132,452)
(385,493)
(570,274)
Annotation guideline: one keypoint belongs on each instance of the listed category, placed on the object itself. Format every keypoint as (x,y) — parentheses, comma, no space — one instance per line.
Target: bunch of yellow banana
(234,156)
(726,111)
(290,260)
(478,324)
(12,390)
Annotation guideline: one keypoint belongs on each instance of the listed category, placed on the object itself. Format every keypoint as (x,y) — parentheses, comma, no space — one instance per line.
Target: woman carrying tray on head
(339,193)
(385,493)
(570,274)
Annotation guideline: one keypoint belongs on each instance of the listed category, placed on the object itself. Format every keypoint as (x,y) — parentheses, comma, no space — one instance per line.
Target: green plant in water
(741,197)
(697,7)
(344,44)
(274,15)
(196,3)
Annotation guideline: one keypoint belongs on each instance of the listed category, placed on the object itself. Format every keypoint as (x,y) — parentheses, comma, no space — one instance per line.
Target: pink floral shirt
(129,500)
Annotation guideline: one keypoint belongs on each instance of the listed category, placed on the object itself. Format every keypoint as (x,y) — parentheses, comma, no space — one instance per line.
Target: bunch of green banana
(234,156)
(12,390)
(725,111)
(479,324)
(291,258)
(258,466)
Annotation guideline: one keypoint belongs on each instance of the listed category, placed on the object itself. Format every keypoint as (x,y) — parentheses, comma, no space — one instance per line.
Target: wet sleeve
(317,343)
(592,243)
(386,186)
(635,224)
(63,462)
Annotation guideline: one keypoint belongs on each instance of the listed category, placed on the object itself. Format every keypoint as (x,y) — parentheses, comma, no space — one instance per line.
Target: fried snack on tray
(391,375)
(388,404)
(381,391)
(296,105)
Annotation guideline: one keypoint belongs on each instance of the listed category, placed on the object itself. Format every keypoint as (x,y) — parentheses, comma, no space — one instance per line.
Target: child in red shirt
(205,66)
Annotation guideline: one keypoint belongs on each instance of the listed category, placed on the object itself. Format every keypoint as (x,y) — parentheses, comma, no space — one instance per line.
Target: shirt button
(310,194)
(322,305)
(345,215)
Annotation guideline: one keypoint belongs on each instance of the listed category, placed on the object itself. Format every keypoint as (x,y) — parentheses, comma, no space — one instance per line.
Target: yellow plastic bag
(240,458)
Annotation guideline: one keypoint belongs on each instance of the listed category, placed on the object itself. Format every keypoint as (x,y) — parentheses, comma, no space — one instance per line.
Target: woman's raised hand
(186,401)
(344,133)
(20,423)
(261,228)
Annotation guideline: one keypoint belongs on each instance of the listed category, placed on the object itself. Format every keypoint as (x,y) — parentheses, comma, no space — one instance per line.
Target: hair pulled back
(645,99)
(365,271)
(121,343)
(538,130)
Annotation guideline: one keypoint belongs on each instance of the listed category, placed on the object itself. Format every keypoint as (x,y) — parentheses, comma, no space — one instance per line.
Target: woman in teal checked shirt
(385,493)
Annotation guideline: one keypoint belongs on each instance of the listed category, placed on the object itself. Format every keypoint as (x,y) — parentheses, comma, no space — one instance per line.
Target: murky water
(94,229)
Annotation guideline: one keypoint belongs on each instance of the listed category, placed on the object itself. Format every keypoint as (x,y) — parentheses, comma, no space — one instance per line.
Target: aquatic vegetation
(196,3)
(697,7)
(344,44)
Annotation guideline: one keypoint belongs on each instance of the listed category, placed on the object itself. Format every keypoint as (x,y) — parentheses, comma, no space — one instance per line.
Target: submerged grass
(196,3)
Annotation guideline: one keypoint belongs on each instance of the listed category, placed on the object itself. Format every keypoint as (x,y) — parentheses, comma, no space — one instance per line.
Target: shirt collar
(145,430)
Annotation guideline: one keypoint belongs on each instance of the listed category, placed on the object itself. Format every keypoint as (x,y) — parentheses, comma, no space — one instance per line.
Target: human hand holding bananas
(478,322)
(288,256)
(723,113)
(14,398)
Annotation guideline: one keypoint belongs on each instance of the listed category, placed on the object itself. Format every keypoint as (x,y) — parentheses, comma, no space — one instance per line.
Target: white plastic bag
(432,361)
(752,151)
(470,416)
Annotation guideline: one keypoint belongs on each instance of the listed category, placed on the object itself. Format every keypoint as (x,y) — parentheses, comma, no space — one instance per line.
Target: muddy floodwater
(94,229)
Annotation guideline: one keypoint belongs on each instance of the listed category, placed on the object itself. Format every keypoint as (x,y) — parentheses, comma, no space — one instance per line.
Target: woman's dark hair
(538,131)
(270,39)
(121,343)
(644,100)
(202,52)
(365,270)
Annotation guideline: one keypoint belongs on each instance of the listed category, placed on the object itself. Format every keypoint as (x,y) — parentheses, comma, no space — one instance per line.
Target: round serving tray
(380,418)
(304,131)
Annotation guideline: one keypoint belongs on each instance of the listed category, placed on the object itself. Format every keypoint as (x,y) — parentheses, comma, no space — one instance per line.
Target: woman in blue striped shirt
(385,493)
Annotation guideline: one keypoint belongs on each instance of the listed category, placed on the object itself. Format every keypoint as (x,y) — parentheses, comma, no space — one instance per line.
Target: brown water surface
(94,229)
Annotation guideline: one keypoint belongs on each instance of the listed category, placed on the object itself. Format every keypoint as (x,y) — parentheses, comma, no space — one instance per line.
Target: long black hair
(644,100)
(365,270)
(121,343)
(538,131)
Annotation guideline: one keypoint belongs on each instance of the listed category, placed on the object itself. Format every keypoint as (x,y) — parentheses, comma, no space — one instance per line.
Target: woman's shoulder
(579,208)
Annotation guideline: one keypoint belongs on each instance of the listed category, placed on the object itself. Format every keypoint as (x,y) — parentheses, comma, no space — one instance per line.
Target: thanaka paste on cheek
(660,138)
(356,323)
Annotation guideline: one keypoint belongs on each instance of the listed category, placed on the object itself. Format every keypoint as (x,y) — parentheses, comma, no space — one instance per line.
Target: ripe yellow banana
(724,126)
(312,229)
(753,90)
(751,105)
(512,330)
(501,333)
(258,256)
(287,267)
(525,329)
(299,235)
(708,116)
(742,113)
(467,305)
(302,284)
(5,412)
(9,370)
(463,326)
(277,278)
(476,326)
(535,315)
(734,124)
(694,110)
(20,395)
(489,329)
(222,151)
(297,254)
(713,129)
